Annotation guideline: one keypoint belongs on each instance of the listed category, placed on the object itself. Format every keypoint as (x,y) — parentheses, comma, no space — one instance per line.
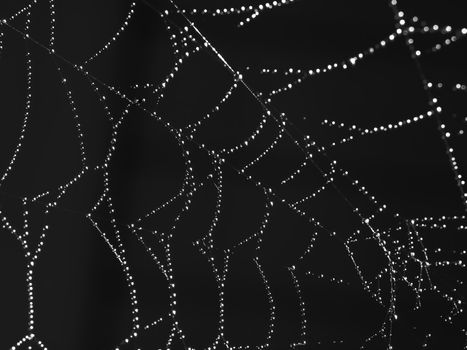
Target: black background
(81,298)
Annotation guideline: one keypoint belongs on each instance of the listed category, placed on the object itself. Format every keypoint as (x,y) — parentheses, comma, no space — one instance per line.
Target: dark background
(81,298)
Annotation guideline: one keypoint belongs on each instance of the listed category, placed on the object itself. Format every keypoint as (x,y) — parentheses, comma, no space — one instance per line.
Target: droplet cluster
(187,40)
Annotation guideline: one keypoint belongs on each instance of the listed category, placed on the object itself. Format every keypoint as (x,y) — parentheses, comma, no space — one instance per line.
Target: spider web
(249,230)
